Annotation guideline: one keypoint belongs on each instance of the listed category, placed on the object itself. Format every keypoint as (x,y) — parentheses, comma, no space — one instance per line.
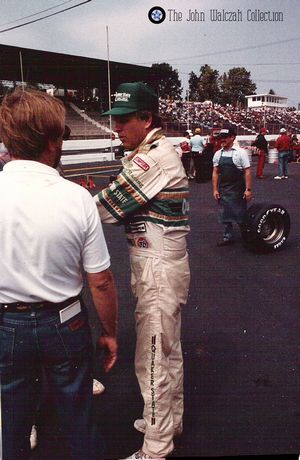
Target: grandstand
(83,115)
(85,125)
(182,115)
(86,122)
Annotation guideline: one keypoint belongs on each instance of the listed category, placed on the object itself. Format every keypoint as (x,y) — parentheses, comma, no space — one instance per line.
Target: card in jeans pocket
(72,310)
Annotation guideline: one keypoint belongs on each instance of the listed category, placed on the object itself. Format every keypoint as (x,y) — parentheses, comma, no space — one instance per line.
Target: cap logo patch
(122,97)
(141,163)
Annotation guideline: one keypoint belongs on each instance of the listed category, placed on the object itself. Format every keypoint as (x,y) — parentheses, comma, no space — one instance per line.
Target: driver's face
(131,130)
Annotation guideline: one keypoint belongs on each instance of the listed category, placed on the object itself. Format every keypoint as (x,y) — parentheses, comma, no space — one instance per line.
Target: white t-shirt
(197,143)
(239,157)
(49,229)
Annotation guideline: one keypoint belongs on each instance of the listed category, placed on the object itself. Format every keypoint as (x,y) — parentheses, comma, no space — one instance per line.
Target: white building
(266,100)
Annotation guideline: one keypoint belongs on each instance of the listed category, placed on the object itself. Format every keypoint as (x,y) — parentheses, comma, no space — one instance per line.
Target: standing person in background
(49,229)
(150,197)
(186,154)
(262,145)
(197,143)
(283,145)
(231,181)
(294,145)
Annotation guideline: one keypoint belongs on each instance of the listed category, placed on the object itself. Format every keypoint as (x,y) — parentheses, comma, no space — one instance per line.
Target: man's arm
(104,294)
(215,183)
(134,187)
(248,183)
(278,143)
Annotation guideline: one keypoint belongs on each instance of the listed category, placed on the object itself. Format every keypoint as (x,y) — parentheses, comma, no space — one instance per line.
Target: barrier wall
(102,149)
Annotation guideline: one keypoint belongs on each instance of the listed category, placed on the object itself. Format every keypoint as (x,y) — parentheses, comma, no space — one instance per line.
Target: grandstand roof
(66,71)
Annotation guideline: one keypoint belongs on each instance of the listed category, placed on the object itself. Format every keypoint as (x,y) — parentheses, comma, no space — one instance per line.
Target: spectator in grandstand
(44,243)
(150,197)
(261,144)
(198,143)
(231,181)
(186,154)
(283,145)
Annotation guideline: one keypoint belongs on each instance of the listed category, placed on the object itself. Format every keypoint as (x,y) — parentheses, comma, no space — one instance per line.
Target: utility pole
(109,93)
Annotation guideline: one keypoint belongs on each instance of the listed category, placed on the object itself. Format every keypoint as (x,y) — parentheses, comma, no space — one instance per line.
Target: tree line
(229,88)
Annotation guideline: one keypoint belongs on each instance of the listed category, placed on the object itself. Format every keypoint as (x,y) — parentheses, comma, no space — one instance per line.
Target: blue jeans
(283,159)
(228,231)
(33,341)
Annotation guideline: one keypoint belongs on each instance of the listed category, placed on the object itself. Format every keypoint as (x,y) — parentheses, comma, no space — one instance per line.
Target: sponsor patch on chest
(141,163)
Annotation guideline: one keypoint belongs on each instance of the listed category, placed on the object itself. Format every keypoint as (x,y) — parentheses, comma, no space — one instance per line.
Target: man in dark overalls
(231,182)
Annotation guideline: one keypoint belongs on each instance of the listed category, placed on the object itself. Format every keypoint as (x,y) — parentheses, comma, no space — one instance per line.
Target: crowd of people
(206,115)
(177,113)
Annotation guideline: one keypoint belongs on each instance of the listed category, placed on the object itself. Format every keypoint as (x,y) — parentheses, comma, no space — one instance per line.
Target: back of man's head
(29,119)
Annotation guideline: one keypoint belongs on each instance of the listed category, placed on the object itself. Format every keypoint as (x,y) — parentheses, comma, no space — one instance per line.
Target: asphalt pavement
(240,338)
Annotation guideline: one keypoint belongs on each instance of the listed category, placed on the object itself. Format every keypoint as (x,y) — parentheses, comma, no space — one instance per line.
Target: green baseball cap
(133,97)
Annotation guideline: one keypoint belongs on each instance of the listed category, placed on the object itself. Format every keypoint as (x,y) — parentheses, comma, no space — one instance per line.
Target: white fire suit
(150,196)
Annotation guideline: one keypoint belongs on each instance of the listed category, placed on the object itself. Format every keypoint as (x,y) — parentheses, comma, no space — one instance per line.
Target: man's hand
(215,183)
(216,195)
(248,195)
(110,347)
(104,293)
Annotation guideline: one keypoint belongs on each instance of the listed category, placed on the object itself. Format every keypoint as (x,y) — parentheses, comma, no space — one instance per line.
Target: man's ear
(53,144)
(148,122)
(49,156)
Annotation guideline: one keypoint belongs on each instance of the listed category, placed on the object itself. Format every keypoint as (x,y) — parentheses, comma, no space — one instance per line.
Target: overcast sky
(269,49)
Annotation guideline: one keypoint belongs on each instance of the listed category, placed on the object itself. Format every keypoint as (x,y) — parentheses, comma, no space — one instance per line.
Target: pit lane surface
(240,337)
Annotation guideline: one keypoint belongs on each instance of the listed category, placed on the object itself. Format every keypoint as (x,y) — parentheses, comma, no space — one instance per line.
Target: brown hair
(28,120)
(156,120)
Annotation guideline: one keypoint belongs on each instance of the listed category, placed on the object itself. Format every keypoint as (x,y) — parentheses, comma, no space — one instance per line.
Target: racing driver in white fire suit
(150,197)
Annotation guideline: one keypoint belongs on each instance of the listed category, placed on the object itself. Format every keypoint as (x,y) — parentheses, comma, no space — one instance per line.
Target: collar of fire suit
(150,141)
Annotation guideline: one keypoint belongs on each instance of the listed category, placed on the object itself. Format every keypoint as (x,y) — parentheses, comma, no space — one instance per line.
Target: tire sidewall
(256,215)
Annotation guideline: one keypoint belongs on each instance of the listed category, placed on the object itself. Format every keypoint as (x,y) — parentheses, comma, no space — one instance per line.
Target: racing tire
(266,228)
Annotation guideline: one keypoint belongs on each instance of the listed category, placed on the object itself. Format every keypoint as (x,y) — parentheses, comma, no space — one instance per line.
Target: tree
(166,81)
(193,87)
(271,91)
(236,85)
(206,86)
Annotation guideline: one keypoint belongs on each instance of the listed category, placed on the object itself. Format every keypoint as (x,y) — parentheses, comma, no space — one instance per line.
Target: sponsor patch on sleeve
(142,243)
(141,163)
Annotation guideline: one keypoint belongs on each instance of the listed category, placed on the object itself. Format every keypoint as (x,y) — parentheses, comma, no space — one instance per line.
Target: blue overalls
(232,203)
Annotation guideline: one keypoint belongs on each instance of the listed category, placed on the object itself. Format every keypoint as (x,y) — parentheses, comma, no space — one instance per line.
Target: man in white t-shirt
(49,229)
(231,180)
(198,144)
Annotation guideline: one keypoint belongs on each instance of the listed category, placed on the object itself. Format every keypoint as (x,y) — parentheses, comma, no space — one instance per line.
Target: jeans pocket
(7,339)
(75,336)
